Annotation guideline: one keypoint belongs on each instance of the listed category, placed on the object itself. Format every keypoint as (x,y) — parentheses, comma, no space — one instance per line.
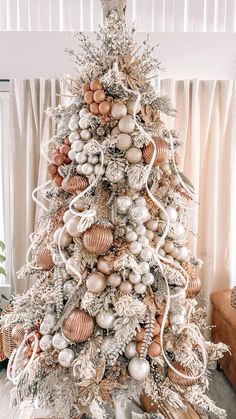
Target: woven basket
(7,342)
(233,297)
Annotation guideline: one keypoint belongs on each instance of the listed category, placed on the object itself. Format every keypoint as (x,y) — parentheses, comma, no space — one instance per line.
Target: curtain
(206,121)
(29,127)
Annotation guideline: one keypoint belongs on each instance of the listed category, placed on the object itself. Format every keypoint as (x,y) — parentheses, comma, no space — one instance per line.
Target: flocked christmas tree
(112,315)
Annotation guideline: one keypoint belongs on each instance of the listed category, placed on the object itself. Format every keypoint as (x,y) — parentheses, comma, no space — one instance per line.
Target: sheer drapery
(206,121)
(29,127)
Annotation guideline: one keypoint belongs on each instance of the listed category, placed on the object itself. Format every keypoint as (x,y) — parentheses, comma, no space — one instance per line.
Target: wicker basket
(7,342)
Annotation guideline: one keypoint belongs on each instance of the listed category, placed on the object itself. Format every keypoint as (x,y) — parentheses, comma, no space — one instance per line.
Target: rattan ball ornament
(98,239)
(18,333)
(78,326)
(75,184)
(44,259)
(161,152)
(194,287)
(177,379)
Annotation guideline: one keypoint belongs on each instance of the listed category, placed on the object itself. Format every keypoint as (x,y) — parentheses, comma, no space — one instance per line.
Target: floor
(221,392)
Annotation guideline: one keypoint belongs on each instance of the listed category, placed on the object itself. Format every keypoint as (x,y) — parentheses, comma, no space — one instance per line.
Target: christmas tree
(112,315)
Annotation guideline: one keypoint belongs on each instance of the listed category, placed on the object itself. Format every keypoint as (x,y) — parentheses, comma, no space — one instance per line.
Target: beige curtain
(207,124)
(29,127)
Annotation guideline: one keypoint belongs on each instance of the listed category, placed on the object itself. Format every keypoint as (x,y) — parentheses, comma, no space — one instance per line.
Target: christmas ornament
(105,319)
(68,288)
(118,110)
(123,142)
(161,152)
(171,212)
(123,204)
(59,342)
(104,266)
(46,342)
(154,349)
(114,280)
(98,239)
(133,105)
(75,184)
(107,344)
(126,124)
(130,350)
(44,259)
(72,227)
(139,368)
(125,287)
(96,282)
(78,326)
(134,155)
(62,238)
(138,214)
(194,287)
(17,333)
(181,381)
(66,357)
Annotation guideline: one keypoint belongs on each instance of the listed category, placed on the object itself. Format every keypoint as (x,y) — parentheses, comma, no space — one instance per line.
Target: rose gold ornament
(44,259)
(156,329)
(88,97)
(161,149)
(99,96)
(85,87)
(78,326)
(75,184)
(160,320)
(18,333)
(64,149)
(98,239)
(181,381)
(94,108)
(95,85)
(140,334)
(58,180)
(104,108)
(154,349)
(52,169)
(194,287)
(58,159)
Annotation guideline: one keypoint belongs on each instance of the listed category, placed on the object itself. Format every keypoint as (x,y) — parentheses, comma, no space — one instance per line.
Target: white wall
(184,55)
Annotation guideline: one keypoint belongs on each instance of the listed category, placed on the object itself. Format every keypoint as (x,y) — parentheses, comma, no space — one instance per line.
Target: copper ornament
(161,155)
(98,239)
(181,381)
(148,403)
(78,327)
(75,184)
(194,287)
(44,259)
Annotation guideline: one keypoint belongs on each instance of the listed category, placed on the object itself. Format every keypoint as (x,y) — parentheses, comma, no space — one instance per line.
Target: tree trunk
(109,5)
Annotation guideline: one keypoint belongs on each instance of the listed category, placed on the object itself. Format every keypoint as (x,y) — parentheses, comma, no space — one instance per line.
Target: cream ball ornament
(146,254)
(79,169)
(169,246)
(140,201)
(141,230)
(152,225)
(96,282)
(62,238)
(104,266)
(73,125)
(87,169)
(133,105)
(172,214)
(123,142)
(138,214)
(67,216)
(143,240)
(72,155)
(148,279)
(68,288)
(74,136)
(150,235)
(175,253)
(78,146)
(59,342)
(183,253)
(126,287)
(99,170)
(83,112)
(131,236)
(140,288)
(123,204)
(66,357)
(114,280)
(130,350)
(83,123)
(115,131)
(81,158)
(107,344)
(126,124)
(45,342)
(118,110)
(134,155)
(85,134)
(93,159)
(179,229)
(72,227)
(105,319)
(134,277)
(139,368)
(135,248)
(144,266)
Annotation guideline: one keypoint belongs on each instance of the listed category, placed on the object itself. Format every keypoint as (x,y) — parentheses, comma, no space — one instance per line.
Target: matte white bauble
(130,350)
(79,169)
(78,146)
(72,227)
(115,131)
(146,254)
(143,240)
(177,319)
(118,110)
(152,225)
(87,169)
(134,155)
(169,246)
(161,252)
(98,169)
(134,277)
(126,124)
(123,204)
(67,216)
(126,287)
(83,112)
(107,344)
(172,214)
(68,288)
(81,158)
(85,134)
(150,235)
(123,142)
(62,238)
(175,253)
(140,230)
(96,282)
(131,236)
(73,125)
(45,342)
(74,136)
(105,319)
(72,154)
(135,248)
(114,280)
(84,123)
(139,368)
(45,328)
(148,279)
(144,266)
(183,253)
(140,201)
(59,342)
(104,266)
(66,357)
(138,214)
(140,288)
(132,105)
(93,159)
(179,229)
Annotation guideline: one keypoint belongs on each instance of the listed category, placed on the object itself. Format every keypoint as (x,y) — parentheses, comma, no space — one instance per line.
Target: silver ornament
(45,343)
(134,277)
(68,288)
(59,342)
(66,357)
(105,319)
(123,204)
(130,350)
(45,329)
(107,344)
(138,214)
(93,159)
(83,112)
(114,176)
(140,201)
(72,154)
(73,125)
(83,123)
(143,240)
(139,368)
(148,279)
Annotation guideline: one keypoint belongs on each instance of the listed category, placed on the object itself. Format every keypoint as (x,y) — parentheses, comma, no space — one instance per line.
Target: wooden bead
(140,334)
(104,108)
(78,326)
(98,239)
(95,85)
(44,259)
(75,184)
(85,87)
(154,349)
(176,379)
(94,108)
(99,96)
(88,97)
(194,287)
(161,152)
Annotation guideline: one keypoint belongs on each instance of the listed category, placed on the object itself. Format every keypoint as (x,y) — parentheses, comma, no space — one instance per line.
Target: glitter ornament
(74,136)
(134,277)
(123,204)
(139,368)
(161,152)
(81,158)
(135,248)
(44,259)
(107,344)
(131,236)
(148,279)
(126,124)
(96,282)
(83,112)
(66,357)
(144,266)
(118,110)
(98,239)
(68,288)
(123,142)
(83,123)
(134,155)
(114,176)
(105,319)
(87,169)
(78,326)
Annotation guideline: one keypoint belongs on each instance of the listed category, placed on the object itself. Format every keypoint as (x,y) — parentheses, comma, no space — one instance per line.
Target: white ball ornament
(169,246)
(139,368)
(85,134)
(123,204)
(123,142)
(62,237)
(135,248)
(146,254)
(66,357)
(72,155)
(81,158)
(114,280)
(134,277)
(45,328)
(87,169)
(140,201)
(73,125)
(72,227)
(68,288)
(79,169)
(172,214)
(115,131)
(104,266)
(161,252)
(179,229)
(131,236)
(138,214)
(59,342)
(130,350)
(78,146)
(126,287)
(143,240)
(96,282)
(133,105)
(150,235)
(105,319)
(74,136)
(83,123)
(114,176)
(134,155)
(183,254)
(175,253)
(141,230)
(67,216)
(118,110)
(126,124)
(140,288)
(83,112)
(98,169)
(148,279)
(107,344)
(93,159)
(152,225)
(45,343)
(144,266)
